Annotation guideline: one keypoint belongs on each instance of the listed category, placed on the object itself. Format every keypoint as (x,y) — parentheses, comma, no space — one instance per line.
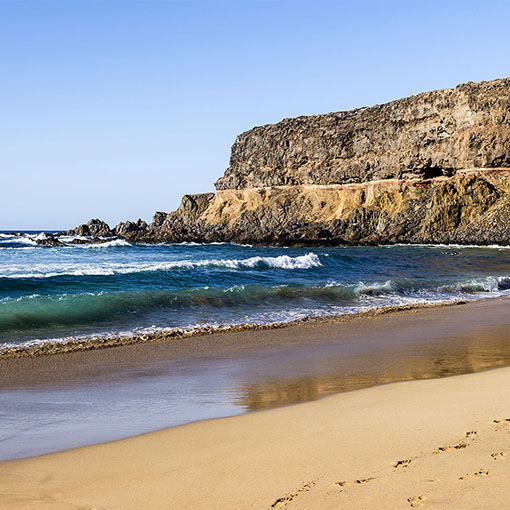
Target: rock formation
(428,135)
(432,168)
(94,227)
(48,240)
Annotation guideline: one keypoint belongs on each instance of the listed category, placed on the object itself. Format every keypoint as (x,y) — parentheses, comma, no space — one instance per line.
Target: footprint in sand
(471,433)
(501,424)
(403,463)
(345,483)
(481,472)
(282,502)
(415,501)
(442,449)
(459,446)
(365,480)
(498,455)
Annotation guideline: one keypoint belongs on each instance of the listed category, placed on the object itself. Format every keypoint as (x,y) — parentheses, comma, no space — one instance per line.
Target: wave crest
(107,244)
(307,261)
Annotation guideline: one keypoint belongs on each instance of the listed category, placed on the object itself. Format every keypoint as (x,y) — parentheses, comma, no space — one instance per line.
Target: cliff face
(433,168)
(468,208)
(428,135)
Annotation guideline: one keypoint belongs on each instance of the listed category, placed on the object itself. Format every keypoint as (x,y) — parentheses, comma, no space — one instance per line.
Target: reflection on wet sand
(49,403)
(480,350)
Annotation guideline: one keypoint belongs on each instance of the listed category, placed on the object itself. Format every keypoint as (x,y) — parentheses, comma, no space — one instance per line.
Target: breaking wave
(185,307)
(307,261)
(115,243)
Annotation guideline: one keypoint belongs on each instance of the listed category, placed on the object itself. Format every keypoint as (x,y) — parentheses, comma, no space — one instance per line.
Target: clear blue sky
(116,109)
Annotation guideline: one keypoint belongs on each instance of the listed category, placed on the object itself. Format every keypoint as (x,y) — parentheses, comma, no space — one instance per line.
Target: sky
(116,109)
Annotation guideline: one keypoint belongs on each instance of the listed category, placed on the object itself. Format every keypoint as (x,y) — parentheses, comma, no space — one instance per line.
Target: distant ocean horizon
(120,289)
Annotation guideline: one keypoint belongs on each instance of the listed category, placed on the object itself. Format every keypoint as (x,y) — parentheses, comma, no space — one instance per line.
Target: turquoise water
(117,288)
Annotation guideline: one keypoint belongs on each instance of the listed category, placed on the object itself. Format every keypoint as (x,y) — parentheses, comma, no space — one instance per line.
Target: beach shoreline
(96,342)
(232,373)
(441,442)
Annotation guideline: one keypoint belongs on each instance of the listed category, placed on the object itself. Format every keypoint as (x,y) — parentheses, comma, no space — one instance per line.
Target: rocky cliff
(433,168)
(428,135)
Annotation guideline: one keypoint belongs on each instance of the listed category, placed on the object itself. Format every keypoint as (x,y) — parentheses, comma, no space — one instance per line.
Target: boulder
(129,227)
(94,227)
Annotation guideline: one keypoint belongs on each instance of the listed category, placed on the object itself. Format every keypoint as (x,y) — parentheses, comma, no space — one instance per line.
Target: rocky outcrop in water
(433,168)
(48,240)
(130,227)
(94,227)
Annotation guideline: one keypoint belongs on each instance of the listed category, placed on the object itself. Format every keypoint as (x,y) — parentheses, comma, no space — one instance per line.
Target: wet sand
(51,403)
(482,328)
(442,443)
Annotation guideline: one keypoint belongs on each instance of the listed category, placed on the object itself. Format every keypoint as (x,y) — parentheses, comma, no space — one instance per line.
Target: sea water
(117,288)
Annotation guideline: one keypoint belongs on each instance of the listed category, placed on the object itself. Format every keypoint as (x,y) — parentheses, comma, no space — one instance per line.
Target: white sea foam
(234,288)
(25,239)
(375,288)
(307,261)
(474,288)
(493,284)
(67,239)
(107,244)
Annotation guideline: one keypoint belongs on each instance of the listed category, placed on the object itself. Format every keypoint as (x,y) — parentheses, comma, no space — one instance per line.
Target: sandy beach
(442,443)
(437,443)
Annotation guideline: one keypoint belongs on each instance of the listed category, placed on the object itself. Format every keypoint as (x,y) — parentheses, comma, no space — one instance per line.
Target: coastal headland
(255,255)
(431,168)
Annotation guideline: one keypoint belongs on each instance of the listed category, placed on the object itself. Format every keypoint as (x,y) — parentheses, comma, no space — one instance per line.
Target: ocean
(116,288)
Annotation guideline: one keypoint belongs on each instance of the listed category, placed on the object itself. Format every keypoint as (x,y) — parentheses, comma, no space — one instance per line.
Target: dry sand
(442,443)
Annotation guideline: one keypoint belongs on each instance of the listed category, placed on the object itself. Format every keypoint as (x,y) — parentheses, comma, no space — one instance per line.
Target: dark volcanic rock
(90,240)
(49,240)
(93,227)
(128,228)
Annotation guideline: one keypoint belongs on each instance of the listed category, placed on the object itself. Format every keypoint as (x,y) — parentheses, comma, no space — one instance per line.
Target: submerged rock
(91,240)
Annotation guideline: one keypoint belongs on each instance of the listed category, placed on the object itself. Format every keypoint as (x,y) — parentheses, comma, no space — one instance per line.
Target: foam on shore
(37,348)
